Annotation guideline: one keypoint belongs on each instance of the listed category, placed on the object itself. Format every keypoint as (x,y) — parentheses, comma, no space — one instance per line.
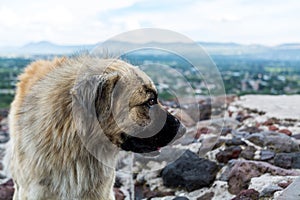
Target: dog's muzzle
(171,131)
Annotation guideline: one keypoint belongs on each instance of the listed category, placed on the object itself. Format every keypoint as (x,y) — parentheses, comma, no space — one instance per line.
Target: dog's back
(33,73)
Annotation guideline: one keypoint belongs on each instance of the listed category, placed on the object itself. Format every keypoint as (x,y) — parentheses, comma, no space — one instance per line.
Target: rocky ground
(252,152)
(6,187)
(255,154)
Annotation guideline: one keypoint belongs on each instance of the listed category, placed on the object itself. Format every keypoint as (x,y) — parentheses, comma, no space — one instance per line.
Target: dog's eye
(151,102)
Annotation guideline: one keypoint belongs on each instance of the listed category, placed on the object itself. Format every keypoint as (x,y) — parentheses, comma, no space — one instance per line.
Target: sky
(70,22)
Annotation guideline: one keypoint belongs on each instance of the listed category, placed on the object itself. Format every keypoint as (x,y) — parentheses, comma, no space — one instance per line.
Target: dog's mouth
(171,131)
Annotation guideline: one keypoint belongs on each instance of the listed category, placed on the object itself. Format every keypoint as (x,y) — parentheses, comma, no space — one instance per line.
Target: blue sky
(268,22)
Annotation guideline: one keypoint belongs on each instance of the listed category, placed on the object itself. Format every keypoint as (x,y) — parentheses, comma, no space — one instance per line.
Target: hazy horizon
(99,42)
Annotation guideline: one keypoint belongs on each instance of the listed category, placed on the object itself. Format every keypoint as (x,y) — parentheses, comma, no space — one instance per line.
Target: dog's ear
(88,92)
(91,99)
(103,100)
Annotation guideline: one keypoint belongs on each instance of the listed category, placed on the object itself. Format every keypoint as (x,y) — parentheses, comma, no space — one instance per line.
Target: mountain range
(289,51)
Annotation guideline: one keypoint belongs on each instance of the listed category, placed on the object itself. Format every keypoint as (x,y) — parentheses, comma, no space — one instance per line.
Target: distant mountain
(289,51)
(44,48)
(289,46)
(232,48)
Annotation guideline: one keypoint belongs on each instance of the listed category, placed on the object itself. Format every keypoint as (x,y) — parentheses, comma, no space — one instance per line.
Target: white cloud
(91,21)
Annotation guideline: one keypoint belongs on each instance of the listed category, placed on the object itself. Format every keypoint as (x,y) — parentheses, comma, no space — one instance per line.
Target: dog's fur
(62,111)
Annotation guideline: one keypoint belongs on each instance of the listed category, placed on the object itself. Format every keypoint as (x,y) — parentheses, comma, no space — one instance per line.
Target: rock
(4,137)
(2,176)
(225,171)
(204,130)
(271,121)
(267,180)
(283,160)
(280,107)
(251,129)
(205,111)
(273,128)
(284,183)
(168,154)
(274,141)
(181,198)
(201,131)
(240,134)
(119,195)
(244,118)
(248,153)
(231,98)
(242,171)
(235,142)
(4,113)
(266,155)
(160,198)
(142,190)
(207,144)
(241,116)
(198,112)
(118,182)
(189,172)
(250,194)
(287,160)
(285,131)
(257,139)
(218,190)
(225,131)
(229,113)
(7,190)
(296,136)
(151,179)
(219,143)
(291,191)
(206,196)
(229,153)
(219,123)
(270,190)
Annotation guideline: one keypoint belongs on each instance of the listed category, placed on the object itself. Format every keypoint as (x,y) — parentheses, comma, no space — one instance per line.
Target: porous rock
(189,172)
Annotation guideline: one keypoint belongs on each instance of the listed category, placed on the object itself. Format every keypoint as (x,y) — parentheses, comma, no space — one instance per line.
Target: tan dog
(69,119)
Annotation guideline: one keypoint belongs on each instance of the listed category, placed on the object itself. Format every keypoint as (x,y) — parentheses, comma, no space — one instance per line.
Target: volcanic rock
(189,172)
(242,171)
(288,160)
(250,194)
(229,153)
(248,153)
(274,141)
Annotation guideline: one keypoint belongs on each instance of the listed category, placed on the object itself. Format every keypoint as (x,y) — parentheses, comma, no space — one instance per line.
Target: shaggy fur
(64,136)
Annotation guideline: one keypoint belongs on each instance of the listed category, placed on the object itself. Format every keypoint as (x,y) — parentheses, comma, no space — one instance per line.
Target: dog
(69,119)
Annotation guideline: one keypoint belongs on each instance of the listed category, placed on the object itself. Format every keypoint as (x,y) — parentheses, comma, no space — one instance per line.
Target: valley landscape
(245,145)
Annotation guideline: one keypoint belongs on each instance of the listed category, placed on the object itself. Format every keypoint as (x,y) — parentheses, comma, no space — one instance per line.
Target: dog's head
(127,109)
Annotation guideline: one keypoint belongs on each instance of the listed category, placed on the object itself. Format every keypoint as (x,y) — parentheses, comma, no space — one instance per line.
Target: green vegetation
(259,76)
(10,68)
(5,100)
(241,75)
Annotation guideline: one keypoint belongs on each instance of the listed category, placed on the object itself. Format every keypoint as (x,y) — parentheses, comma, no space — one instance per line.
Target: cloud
(62,21)
(91,21)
